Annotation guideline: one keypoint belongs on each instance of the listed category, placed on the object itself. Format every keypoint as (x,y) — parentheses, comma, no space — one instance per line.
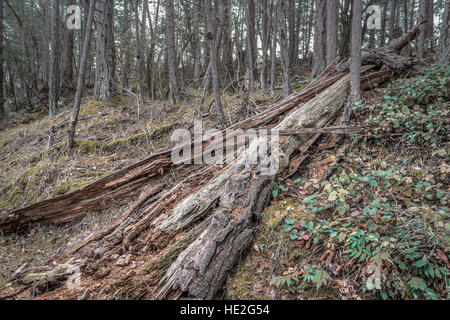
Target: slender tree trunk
(411,15)
(291,16)
(423,30)
(105,87)
(213,61)
(266,25)
(392,20)
(383,24)
(175,96)
(196,43)
(309,29)
(319,60)
(273,51)
(284,49)
(405,16)
(2,100)
(81,73)
(430,26)
(251,40)
(67,78)
(139,69)
(332,26)
(54,61)
(443,52)
(355,65)
(126,44)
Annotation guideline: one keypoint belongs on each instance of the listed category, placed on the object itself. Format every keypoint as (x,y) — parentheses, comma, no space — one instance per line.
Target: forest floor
(366,218)
(110,136)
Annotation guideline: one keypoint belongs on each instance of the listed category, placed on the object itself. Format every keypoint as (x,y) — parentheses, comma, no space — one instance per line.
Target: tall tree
(81,74)
(355,64)
(392,20)
(53,84)
(126,43)
(67,73)
(319,59)
(197,49)
(252,53)
(2,100)
(423,29)
(273,51)
(383,23)
(213,61)
(332,13)
(443,52)
(282,8)
(105,86)
(139,68)
(430,25)
(175,96)
(265,39)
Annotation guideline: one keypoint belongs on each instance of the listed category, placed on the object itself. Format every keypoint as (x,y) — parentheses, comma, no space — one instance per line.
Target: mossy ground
(110,135)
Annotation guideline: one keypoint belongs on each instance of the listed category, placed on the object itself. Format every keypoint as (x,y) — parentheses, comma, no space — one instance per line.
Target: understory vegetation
(372,222)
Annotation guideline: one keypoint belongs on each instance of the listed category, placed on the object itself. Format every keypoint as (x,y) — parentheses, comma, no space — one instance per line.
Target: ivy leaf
(420,263)
(373,183)
(289,221)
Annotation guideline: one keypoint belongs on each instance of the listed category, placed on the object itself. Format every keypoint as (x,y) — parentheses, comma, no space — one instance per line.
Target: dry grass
(110,136)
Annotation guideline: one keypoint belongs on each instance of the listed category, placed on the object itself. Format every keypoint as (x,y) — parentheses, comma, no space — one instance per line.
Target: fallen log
(184,237)
(188,238)
(129,181)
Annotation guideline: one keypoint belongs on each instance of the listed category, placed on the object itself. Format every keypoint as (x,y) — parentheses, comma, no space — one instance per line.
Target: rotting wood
(184,240)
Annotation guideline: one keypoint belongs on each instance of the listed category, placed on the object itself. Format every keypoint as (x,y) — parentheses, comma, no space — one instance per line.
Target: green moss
(66,188)
(161,131)
(5,204)
(274,215)
(133,139)
(33,172)
(89,146)
(118,100)
(91,108)
(240,284)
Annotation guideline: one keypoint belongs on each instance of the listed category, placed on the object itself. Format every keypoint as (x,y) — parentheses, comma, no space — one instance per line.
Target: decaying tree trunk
(185,236)
(129,181)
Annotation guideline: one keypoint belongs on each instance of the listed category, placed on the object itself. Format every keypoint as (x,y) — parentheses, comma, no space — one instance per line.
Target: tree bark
(81,75)
(67,66)
(53,84)
(265,39)
(175,96)
(252,53)
(332,27)
(423,29)
(284,49)
(319,59)
(196,43)
(105,87)
(273,51)
(355,65)
(443,52)
(2,100)
(383,24)
(139,69)
(213,62)
(392,20)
